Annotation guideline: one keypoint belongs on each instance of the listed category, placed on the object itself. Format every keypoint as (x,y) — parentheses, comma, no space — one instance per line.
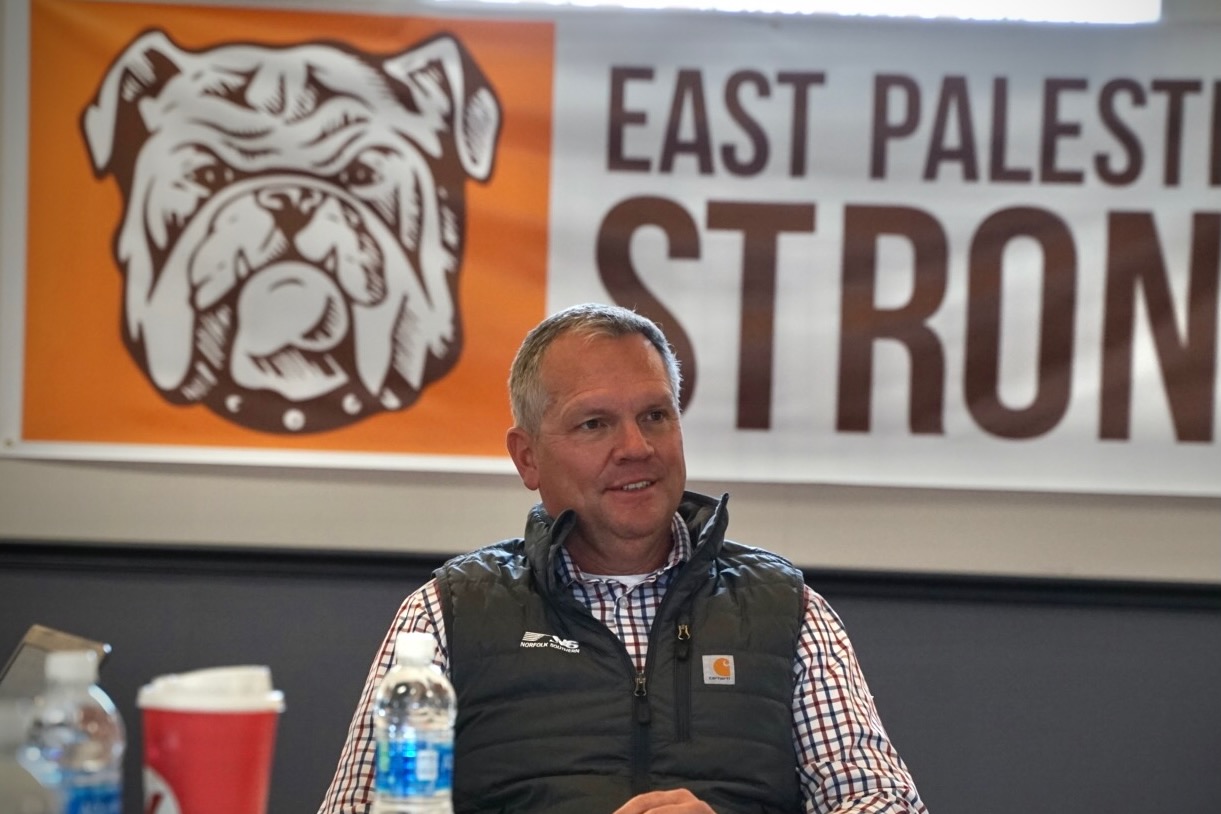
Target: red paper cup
(208,751)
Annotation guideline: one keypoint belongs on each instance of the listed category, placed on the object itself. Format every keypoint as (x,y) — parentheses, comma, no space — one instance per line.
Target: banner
(886,252)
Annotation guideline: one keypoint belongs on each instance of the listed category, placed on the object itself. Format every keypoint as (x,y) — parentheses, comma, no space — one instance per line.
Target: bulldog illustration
(293,221)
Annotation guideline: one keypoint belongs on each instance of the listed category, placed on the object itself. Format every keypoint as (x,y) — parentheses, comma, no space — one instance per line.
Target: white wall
(1126,537)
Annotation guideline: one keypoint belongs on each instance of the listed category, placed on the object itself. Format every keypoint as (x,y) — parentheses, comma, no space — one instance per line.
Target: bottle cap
(414,648)
(72,666)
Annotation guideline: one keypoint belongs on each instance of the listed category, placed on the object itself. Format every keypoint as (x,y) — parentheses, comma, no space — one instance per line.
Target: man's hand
(677,801)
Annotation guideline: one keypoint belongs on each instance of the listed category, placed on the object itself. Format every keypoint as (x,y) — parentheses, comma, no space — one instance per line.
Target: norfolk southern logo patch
(547,640)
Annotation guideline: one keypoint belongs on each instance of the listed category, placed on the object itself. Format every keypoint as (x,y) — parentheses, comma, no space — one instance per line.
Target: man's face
(610,446)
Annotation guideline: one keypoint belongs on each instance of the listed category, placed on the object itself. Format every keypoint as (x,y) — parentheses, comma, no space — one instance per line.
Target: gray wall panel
(1004,696)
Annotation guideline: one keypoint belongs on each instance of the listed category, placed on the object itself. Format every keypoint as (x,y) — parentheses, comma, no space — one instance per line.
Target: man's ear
(521,450)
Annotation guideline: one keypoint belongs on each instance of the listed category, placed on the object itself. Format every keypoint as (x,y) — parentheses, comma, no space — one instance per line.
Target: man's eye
(590,424)
(358,174)
(212,176)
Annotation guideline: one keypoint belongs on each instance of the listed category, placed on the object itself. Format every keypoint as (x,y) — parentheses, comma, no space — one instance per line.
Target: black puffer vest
(552,716)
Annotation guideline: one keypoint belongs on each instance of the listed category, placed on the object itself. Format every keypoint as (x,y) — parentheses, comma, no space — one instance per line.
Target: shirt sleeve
(351,790)
(845,758)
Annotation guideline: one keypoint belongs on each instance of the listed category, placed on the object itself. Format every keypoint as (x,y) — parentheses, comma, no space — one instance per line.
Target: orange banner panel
(103,361)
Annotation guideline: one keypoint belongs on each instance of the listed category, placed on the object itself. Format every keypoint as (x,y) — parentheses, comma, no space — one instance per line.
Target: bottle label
(417,765)
(91,797)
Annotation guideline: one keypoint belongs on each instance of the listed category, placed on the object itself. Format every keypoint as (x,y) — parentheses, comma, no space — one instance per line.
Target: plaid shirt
(844,757)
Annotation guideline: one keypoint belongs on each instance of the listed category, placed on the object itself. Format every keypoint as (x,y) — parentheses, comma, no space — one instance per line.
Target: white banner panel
(895,253)
(908,253)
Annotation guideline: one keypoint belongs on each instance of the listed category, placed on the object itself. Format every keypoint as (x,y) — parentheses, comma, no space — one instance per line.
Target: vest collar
(705,518)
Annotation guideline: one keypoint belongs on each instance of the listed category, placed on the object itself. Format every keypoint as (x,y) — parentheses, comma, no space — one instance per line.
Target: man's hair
(528,398)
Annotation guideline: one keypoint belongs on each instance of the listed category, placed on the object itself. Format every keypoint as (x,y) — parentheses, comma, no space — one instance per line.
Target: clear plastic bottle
(20,793)
(413,724)
(75,743)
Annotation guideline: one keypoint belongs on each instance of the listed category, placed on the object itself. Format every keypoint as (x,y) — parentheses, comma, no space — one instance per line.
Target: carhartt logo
(718,670)
(547,640)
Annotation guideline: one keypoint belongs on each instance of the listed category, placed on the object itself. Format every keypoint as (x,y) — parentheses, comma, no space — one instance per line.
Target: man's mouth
(636,486)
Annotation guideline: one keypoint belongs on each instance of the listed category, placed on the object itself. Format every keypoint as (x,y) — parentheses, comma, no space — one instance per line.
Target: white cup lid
(245,688)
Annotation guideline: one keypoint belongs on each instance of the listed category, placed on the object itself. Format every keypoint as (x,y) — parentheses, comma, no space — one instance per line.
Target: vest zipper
(682,681)
(640,735)
(641,757)
(642,714)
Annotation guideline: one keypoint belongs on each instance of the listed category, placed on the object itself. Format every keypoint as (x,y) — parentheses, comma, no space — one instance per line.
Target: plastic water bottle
(413,724)
(75,743)
(20,793)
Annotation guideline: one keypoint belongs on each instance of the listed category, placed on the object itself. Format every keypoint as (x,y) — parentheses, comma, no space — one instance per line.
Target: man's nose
(632,443)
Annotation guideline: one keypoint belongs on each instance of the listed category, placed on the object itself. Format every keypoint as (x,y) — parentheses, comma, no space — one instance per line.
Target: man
(623,656)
